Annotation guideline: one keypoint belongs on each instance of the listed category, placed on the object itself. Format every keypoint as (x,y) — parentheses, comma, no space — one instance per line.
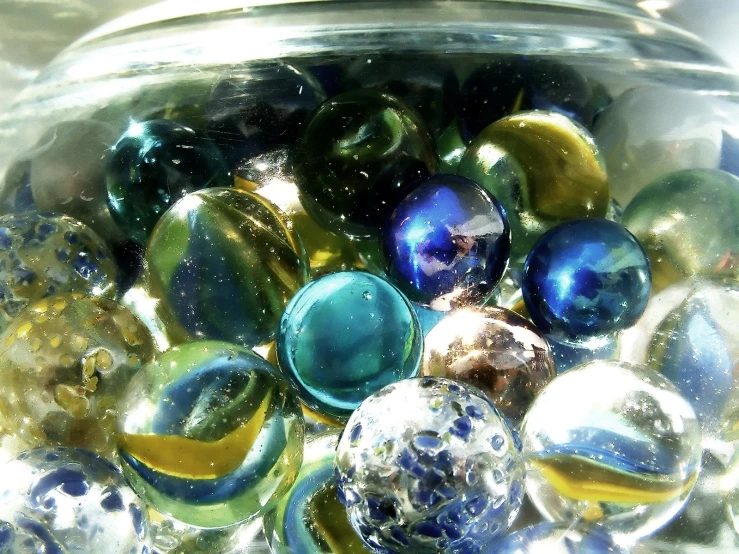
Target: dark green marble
(154,164)
(359,156)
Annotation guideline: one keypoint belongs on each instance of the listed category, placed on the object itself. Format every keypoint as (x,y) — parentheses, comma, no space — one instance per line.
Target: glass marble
(211,435)
(153,165)
(310,519)
(359,156)
(450,148)
(67,174)
(251,111)
(688,222)
(15,192)
(510,84)
(689,334)
(64,362)
(429,86)
(649,132)
(544,168)
(343,337)
(428,465)
(447,243)
(45,254)
(611,443)
(567,354)
(233,257)
(69,501)
(494,349)
(559,538)
(586,278)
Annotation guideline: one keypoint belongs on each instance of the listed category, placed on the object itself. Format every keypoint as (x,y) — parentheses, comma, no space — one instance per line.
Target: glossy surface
(170,536)
(544,169)
(649,132)
(212,436)
(428,465)
(16,196)
(235,259)
(559,538)
(359,156)
(41,255)
(152,166)
(611,443)
(494,349)
(428,86)
(689,334)
(345,336)
(447,243)
(310,519)
(511,84)
(251,111)
(688,222)
(69,501)
(64,364)
(586,278)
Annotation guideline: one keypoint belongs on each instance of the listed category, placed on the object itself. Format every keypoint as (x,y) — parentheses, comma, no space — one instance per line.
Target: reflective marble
(69,501)
(559,538)
(429,465)
(544,168)
(494,349)
(359,156)
(211,435)
(235,259)
(257,109)
(153,165)
(614,444)
(343,337)
(586,278)
(688,222)
(310,519)
(447,243)
(648,132)
(46,254)
(510,84)
(689,333)
(64,364)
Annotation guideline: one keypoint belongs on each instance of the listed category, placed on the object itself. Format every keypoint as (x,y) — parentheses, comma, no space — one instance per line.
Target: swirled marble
(211,435)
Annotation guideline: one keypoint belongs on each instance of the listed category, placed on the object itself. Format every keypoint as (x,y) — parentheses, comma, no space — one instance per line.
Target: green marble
(450,147)
(688,223)
(543,168)
(223,264)
(358,157)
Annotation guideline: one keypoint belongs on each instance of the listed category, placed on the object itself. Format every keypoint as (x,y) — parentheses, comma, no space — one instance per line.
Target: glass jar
(625,118)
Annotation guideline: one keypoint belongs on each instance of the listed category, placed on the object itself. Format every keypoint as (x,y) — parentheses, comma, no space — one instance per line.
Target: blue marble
(69,501)
(559,538)
(345,336)
(429,465)
(586,278)
(448,242)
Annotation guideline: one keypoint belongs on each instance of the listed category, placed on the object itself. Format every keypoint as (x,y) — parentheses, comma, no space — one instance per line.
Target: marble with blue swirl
(211,436)
(447,243)
(69,501)
(586,278)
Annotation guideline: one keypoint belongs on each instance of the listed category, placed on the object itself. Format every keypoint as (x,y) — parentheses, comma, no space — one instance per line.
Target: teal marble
(345,336)
(235,260)
(154,164)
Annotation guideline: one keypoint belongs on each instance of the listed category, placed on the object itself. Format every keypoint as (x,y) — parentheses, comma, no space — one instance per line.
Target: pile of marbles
(386,304)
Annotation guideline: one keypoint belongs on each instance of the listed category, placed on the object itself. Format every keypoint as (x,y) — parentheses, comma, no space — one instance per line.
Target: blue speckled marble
(345,336)
(429,465)
(69,501)
(559,538)
(448,242)
(586,278)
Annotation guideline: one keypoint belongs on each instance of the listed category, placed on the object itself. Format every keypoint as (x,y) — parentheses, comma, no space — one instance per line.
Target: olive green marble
(544,169)
(223,264)
(688,223)
(359,156)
